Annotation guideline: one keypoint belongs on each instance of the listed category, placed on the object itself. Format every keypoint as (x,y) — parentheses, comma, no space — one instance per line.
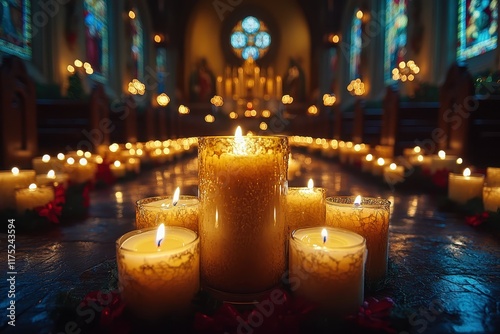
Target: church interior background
(128,87)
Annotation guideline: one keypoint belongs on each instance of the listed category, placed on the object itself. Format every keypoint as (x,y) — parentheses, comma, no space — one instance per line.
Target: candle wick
(159,242)
(324,239)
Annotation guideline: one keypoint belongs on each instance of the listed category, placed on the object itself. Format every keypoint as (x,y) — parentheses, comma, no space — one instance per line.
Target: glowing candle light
(368,217)
(305,206)
(32,197)
(158,270)
(333,261)
(465,186)
(9,182)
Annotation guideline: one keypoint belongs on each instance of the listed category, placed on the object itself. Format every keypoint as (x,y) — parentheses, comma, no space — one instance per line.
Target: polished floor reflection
(444,274)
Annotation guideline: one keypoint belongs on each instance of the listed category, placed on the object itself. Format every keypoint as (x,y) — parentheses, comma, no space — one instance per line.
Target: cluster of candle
(128,157)
(246,217)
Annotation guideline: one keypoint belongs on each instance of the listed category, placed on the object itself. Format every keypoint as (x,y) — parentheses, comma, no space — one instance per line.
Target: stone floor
(444,274)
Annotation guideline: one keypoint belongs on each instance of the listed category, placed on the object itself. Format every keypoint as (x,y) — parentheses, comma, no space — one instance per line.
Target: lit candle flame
(393,166)
(239,144)
(369,157)
(83,161)
(15,171)
(460,161)
(357,201)
(380,161)
(117,163)
(442,154)
(60,156)
(32,187)
(70,161)
(238,133)
(46,158)
(417,149)
(310,184)
(420,158)
(467,172)
(51,174)
(160,234)
(175,199)
(324,234)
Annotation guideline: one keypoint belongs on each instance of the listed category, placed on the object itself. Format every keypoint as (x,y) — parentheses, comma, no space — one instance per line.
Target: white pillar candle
(9,182)
(45,163)
(368,217)
(158,278)
(378,166)
(330,265)
(367,163)
(152,211)
(394,174)
(80,171)
(466,186)
(442,161)
(33,197)
(52,179)
(118,169)
(491,198)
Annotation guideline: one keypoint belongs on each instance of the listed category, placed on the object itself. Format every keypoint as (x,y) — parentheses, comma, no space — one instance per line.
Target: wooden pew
(455,96)
(18,135)
(65,125)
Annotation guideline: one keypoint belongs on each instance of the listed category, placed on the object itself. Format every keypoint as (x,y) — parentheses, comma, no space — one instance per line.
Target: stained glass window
(15,27)
(250,38)
(137,45)
(477,27)
(356,42)
(96,35)
(395,35)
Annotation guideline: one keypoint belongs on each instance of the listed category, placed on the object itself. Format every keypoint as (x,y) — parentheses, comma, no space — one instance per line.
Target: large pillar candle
(368,217)
(158,275)
(330,265)
(242,183)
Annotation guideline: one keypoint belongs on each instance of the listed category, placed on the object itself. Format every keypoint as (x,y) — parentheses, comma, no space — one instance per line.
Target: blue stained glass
(250,52)
(238,40)
(15,28)
(356,43)
(395,35)
(477,27)
(96,36)
(250,25)
(262,40)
